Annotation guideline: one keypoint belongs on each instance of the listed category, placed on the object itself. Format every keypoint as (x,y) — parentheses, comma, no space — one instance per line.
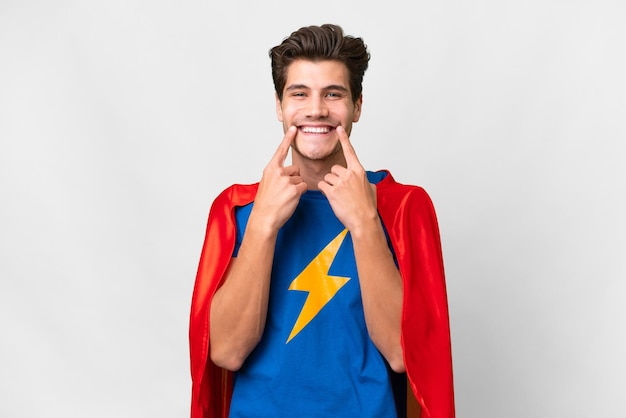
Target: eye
(334,95)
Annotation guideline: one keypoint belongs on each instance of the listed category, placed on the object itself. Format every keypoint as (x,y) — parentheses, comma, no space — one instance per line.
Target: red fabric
(409,217)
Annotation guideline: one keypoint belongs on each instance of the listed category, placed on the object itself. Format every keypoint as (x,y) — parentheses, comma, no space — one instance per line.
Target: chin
(316,153)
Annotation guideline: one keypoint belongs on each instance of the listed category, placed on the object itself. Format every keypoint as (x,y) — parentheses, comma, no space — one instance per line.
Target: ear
(357,108)
(279,109)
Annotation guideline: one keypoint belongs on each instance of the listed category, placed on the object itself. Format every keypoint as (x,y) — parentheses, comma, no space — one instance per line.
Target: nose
(317,107)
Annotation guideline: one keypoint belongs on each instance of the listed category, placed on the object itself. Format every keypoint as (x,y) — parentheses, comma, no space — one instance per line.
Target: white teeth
(315,130)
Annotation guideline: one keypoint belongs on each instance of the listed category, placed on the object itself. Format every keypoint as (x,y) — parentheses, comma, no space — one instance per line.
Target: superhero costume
(316,358)
(409,218)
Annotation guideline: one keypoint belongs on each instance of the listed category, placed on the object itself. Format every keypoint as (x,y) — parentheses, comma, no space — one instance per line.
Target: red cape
(409,217)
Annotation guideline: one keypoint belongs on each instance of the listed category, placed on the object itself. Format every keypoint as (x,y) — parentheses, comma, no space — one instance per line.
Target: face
(316,100)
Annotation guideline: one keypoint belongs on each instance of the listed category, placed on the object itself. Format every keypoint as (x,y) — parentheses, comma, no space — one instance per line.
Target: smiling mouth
(315,129)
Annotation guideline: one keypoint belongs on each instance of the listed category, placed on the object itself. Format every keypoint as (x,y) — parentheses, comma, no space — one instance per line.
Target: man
(320,290)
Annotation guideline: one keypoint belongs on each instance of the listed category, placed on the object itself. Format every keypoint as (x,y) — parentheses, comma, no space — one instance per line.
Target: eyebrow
(305,87)
(296,87)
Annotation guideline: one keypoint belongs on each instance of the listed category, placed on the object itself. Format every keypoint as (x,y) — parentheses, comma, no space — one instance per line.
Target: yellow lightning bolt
(315,280)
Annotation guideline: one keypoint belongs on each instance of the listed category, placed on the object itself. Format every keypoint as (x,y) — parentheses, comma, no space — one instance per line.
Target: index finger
(280,155)
(348,150)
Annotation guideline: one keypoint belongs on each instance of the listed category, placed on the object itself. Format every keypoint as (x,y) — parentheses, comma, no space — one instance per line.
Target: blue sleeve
(242,213)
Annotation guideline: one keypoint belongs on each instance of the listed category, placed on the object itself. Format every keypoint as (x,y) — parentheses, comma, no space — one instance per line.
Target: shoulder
(236,195)
(391,192)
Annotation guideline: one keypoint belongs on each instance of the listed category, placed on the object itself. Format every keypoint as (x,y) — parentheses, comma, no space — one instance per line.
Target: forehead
(317,74)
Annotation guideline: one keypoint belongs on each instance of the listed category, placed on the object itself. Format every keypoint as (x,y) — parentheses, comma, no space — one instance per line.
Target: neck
(313,171)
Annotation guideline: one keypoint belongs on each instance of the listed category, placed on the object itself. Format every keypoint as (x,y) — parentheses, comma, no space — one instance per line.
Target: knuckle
(294,192)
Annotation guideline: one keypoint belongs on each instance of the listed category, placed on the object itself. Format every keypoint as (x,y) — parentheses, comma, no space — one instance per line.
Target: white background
(120,121)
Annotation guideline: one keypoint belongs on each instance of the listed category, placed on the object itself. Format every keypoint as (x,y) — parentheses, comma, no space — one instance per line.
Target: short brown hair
(319,43)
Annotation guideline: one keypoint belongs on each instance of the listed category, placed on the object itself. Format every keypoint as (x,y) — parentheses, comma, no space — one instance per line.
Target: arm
(239,307)
(353,200)
(381,290)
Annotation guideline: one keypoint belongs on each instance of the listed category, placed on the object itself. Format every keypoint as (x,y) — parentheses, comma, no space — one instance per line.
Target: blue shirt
(315,358)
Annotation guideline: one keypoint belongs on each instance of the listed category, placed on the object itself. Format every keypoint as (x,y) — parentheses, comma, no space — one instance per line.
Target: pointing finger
(281,153)
(348,151)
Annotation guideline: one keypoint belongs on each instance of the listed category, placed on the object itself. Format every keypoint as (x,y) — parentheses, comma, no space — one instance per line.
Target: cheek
(289,115)
(347,114)
(286,111)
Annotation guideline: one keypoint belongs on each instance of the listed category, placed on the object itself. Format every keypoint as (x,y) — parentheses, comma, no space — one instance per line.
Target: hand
(280,187)
(351,196)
